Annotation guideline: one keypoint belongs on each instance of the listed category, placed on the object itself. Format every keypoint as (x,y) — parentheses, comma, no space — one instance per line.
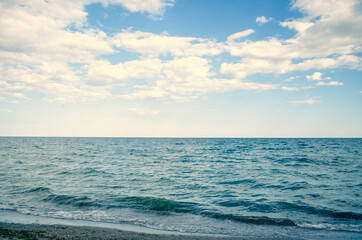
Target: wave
(258,220)
(145,203)
(304,160)
(37,190)
(297,185)
(320,211)
(46,195)
(282,206)
(155,204)
(76,201)
(166,205)
(242,181)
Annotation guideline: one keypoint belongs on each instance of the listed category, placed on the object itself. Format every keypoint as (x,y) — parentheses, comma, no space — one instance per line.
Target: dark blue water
(298,188)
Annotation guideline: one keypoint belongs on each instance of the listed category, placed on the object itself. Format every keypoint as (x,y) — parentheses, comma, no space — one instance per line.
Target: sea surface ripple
(200,185)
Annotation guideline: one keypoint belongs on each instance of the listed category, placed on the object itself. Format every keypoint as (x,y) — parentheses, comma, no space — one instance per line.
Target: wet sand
(37,231)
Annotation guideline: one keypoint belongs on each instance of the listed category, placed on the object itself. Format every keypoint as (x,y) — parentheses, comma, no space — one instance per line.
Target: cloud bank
(48,47)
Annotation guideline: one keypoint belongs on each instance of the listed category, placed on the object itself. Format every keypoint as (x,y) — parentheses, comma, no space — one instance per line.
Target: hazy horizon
(166,137)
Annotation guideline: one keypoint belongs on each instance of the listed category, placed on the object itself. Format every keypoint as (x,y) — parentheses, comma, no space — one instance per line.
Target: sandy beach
(37,231)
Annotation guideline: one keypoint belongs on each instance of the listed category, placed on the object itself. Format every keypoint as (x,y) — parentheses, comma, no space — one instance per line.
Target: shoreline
(17,226)
(14,225)
(17,231)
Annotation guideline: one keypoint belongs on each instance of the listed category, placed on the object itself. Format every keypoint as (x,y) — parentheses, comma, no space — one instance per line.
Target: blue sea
(264,188)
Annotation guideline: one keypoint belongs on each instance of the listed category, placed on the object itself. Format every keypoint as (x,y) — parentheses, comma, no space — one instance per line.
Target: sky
(181,68)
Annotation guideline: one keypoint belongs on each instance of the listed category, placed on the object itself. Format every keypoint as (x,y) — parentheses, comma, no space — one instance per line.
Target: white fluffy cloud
(152,44)
(271,48)
(186,78)
(263,19)
(298,25)
(48,47)
(289,88)
(248,66)
(102,72)
(58,80)
(331,83)
(337,21)
(251,65)
(316,76)
(37,49)
(153,7)
(239,35)
(40,28)
(347,61)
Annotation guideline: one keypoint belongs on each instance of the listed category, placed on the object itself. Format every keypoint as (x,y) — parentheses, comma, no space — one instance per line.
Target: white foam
(340,227)
(9,216)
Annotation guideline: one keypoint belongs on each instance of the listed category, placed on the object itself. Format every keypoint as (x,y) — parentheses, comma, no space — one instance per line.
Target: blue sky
(181,68)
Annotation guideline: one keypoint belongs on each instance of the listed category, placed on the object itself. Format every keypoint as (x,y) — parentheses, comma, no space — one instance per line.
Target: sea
(282,188)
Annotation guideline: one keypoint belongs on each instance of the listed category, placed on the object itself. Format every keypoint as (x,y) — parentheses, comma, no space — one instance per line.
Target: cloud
(317,76)
(307,87)
(252,65)
(48,47)
(38,50)
(102,72)
(39,29)
(289,88)
(143,111)
(299,26)
(153,7)
(263,19)
(178,77)
(186,78)
(345,61)
(57,80)
(332,83)
(325,9)
(248,66)
(266,49)
(12,92)
(238,35)
(310,101)
(62,93)
(337,21)
(166,90)
(289,79)
(154,45)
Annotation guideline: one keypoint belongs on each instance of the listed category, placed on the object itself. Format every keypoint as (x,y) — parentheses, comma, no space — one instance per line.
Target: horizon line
(185,137)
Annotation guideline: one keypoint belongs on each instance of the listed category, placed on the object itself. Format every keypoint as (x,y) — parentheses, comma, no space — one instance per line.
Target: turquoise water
(286,188)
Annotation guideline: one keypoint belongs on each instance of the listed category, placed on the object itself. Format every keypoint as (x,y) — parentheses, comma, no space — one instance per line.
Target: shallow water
(298,188)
